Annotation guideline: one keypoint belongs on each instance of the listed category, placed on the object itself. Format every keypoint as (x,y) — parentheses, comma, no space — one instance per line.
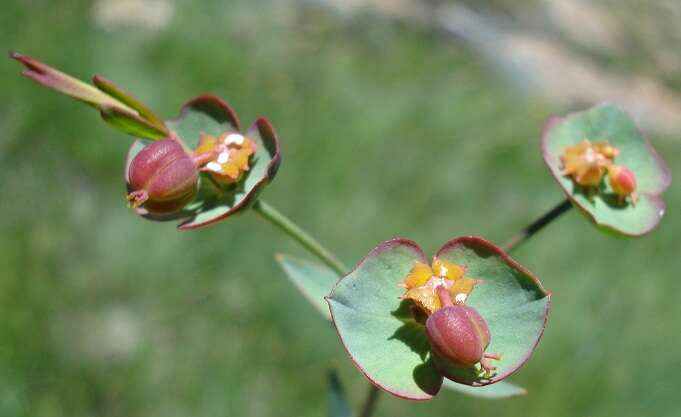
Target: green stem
(311,244)
(290,228)
(369,402)
(520,237)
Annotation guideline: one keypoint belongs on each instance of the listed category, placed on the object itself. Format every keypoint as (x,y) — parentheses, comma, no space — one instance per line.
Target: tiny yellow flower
(225,158)
(423,280)
(587,162)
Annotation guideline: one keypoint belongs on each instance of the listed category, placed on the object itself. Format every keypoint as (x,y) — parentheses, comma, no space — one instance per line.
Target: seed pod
(458,334)
(162,178)
(622,180)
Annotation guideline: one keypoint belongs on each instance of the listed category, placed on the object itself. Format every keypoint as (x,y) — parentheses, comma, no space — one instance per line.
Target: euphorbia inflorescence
(407,324)
(423,281)
(227,157)
(164,177)
(166,164)
(456,331)
(587,164)
(607,169)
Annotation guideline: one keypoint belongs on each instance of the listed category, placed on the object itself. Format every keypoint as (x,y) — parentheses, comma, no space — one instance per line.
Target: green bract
(610,123)
(215,202)
(391,348)
(316,281)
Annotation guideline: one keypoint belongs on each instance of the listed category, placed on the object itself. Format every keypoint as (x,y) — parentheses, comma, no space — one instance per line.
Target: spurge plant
(468,319)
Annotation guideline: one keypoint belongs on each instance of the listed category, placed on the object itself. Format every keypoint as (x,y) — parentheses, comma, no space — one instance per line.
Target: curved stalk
(520,237)
(294,231)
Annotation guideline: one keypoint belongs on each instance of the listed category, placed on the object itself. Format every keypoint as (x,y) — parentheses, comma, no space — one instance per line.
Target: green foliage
(314,281)
(117,107)
(385,343)
(500,390)
(612,124)
(132,124)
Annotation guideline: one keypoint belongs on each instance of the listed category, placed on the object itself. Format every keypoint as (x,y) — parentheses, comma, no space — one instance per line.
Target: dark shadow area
(591,194)
(412,333)
(427,378)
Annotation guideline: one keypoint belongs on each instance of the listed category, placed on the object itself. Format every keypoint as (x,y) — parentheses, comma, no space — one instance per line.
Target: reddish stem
(204,158)
(445,297)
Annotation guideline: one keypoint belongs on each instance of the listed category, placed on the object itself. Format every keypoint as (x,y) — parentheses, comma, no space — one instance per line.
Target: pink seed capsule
(622,180)
(163,178)
(458,334)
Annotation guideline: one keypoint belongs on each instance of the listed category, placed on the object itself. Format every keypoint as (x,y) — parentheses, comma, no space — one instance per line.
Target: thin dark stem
(293,230)
(533,228)
(369,402)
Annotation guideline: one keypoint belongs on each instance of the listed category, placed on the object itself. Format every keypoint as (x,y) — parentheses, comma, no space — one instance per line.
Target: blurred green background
(388,128)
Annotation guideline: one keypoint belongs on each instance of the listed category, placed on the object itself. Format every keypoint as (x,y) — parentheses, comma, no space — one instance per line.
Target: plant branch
(369,402)
(520,237)
(294,231)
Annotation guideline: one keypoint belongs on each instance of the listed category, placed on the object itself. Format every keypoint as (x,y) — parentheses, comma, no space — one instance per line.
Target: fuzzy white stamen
(223,157)
(214,166)
(234,138)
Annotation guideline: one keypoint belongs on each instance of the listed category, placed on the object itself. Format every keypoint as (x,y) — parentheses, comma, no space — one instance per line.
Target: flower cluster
(423,281)
(587,163)
(456,331)
(227,157)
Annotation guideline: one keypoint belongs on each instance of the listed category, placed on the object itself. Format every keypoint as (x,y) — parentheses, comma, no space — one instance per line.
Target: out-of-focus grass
(386,133)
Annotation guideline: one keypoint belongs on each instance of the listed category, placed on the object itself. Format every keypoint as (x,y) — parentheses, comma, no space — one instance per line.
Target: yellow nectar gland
(423,280)
(226,157)
(587,162)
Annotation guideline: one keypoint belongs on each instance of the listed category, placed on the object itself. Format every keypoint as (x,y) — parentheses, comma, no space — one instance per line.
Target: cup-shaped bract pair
(233,167)
(582,149)
(198,168)
(407,347)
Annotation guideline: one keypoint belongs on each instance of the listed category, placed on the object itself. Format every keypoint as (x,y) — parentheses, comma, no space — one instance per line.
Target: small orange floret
(420,274)
(423,281)
(443,268)
(462,288)
(226,158)
(606,149)
(586,162)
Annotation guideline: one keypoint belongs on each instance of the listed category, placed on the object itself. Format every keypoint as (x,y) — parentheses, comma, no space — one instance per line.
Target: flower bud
(622,180)
(458,334)
(163,178)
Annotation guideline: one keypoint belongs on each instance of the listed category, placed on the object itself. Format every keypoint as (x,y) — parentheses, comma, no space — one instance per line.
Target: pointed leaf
(65,84)
(338,403)
(496,391)
(132,124)
(510,299)
(380,336)
(313,280)
(118,93)
(608,122)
